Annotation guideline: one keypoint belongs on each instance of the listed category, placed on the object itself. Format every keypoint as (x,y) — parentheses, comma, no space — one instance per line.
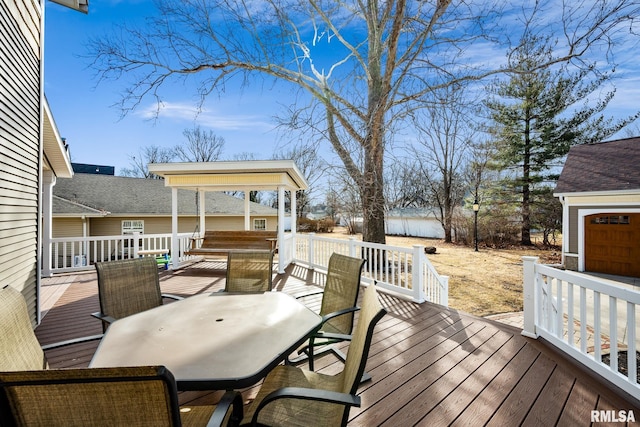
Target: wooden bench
(223,242)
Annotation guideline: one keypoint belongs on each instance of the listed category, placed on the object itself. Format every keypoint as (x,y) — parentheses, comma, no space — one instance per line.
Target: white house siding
(20,129)
(418,227)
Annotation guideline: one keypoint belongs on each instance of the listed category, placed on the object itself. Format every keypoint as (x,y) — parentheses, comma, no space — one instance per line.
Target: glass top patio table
(213,341)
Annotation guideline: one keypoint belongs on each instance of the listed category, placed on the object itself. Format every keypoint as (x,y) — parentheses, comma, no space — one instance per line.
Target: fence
(592,320)
(405,271)
(79,253)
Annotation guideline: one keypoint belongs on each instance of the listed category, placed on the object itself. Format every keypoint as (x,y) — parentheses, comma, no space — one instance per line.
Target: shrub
(307,225)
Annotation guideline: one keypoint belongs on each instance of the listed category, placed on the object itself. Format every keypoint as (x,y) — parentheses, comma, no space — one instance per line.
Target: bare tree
(403,186)
(312,168)
(383,58)
(201,146)
(149,154)
(445,135)
(343,198)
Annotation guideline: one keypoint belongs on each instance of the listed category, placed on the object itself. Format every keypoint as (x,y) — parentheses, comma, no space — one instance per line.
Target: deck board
(431,366)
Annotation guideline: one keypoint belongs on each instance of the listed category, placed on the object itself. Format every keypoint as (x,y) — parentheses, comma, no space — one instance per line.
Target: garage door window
(611,219)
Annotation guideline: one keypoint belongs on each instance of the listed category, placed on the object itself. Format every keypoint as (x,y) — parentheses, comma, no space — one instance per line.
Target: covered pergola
(245,176)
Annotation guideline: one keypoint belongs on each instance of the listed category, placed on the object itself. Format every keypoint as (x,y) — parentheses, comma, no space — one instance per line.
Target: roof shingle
(123,195)
(606,166)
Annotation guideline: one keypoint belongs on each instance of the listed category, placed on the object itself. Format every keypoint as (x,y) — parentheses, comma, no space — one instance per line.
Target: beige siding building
(20,145)
(106,205)
(32,154)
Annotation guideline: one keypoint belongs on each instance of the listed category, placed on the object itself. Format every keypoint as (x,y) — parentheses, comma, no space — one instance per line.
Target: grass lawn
(481,283)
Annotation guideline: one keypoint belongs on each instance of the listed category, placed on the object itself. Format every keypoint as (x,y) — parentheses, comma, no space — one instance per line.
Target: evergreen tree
(538,114)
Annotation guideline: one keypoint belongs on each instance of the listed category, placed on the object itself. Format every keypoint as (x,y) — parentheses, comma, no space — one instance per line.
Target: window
(611,219)
(260,224)
(132,226)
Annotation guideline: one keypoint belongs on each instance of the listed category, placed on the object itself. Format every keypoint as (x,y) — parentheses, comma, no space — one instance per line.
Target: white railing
(405,271)
(80,253)
(585,317)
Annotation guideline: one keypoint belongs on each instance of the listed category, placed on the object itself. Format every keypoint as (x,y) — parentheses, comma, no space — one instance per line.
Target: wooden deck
(430,365)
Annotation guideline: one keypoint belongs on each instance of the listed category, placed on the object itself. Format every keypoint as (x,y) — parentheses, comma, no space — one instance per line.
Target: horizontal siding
(27,16)
(20,27)
(111,226)
(66,227)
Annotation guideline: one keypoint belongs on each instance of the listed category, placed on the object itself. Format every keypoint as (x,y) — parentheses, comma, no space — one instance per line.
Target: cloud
(186,112)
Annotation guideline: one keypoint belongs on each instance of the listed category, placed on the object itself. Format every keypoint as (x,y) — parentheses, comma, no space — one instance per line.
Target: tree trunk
(373,198)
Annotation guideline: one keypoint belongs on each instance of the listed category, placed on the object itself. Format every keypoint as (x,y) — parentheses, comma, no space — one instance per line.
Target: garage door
(612,244)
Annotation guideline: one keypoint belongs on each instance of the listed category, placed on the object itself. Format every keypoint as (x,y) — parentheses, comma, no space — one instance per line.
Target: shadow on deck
(430,365)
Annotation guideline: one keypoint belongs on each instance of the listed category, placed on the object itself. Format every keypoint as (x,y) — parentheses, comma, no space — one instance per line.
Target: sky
(93,128)
(96,134)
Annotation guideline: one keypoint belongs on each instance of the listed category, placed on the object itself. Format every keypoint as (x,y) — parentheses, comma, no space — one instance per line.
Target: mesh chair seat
(339,296)
(127,396)
(341,291)
(249,271)
(294,412)
(127,287)
(19,347)
(291,396)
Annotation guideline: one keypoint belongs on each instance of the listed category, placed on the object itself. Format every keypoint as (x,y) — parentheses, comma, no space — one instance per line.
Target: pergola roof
(232,175)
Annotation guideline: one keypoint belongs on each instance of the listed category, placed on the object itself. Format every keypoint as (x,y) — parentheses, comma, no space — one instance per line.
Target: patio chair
(338,306)
(19,347)
(127,287)
(293,396)
(126,396)
(249,271)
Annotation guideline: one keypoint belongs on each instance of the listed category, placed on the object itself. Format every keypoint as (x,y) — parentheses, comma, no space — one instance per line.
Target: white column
(281,251)
(565,230)
(529,293)
(294,216)
(175,245)
(48,181)
(202,212)
(417,274)
(247,211)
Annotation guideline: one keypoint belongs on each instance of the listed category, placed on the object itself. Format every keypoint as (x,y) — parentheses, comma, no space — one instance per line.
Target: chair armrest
(171,296)
(103,317)
(309,294)
(231,399)
(71,342)
(332,336)
(339,313)
(307,394)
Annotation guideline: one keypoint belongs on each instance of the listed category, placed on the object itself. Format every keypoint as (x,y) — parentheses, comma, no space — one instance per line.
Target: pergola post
(281,251)
(201,213)
(175,245)
(294,216)
(247,210)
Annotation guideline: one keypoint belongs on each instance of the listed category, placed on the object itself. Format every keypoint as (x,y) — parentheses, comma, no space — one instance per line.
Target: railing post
(352,247)
(444,292)
(311,248)
(529,296)
(136,244)
(417,274)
